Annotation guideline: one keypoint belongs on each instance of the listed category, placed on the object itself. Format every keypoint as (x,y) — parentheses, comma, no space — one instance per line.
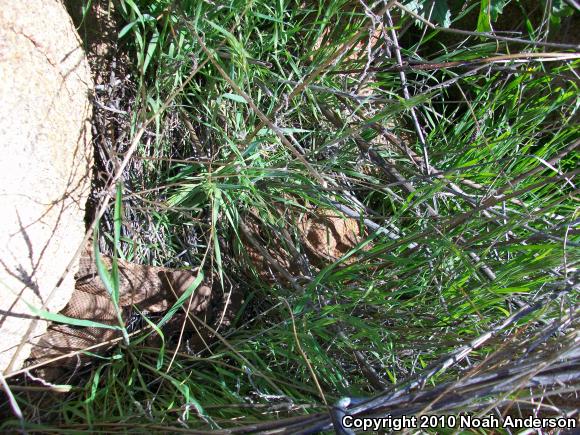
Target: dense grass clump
(458,159)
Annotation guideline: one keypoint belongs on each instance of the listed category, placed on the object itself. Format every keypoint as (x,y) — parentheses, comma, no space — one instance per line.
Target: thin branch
(485,34)
(418,129)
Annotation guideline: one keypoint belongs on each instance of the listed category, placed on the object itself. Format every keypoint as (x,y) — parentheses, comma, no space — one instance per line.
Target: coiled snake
(151,291)
(143,290)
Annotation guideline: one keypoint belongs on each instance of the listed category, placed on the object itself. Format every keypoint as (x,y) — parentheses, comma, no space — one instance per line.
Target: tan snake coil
(152,290)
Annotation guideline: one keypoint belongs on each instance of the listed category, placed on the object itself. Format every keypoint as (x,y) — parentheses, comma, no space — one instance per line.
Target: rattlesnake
(148,290)
(324,237)
(151,291)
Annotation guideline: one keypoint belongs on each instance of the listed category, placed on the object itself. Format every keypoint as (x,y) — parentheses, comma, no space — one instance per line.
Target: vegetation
(456,150)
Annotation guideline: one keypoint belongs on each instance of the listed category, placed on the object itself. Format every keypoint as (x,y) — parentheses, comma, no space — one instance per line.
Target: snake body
(143,290)
(151,291)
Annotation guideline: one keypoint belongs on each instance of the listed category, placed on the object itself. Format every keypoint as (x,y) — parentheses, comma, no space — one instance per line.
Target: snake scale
(143,290)
(151,291)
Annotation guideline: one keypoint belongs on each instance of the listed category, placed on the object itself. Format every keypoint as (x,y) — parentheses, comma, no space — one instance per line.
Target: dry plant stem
(463,392)
(526,378)
(306,360)
(290,425)
(552,162)
(413,403)
(352,96)
(466,380)
(407,96)
(187,311)
(461,353)
(485,35)
(488,384)
(391,234)
(486,61)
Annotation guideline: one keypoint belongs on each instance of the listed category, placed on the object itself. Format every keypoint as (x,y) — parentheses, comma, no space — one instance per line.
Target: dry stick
(464,391)
(525,379)
(494,59)
(462,353)
(352,96)
(282,426)
(484,34)
(466,380)
(105,202)
(462,397)
(306,360)
(503,216)
(389,169)
(370,373)
(487,384)
(387,166)
(504,58)
(393,235)
(498,381)
(407,96)
(234,351)
(552,161)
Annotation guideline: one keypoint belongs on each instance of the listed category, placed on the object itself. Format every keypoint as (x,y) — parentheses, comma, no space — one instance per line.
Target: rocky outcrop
(45,167)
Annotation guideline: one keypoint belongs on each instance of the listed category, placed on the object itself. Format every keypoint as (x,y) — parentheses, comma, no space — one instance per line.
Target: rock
(45,139)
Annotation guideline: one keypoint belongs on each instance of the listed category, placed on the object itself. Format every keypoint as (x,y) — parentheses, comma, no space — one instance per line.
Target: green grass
(501,198)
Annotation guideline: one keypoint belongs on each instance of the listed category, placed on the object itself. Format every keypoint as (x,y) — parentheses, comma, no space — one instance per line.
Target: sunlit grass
(500,197)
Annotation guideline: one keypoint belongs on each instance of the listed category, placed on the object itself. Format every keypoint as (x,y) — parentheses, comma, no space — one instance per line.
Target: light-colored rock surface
(45,163)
